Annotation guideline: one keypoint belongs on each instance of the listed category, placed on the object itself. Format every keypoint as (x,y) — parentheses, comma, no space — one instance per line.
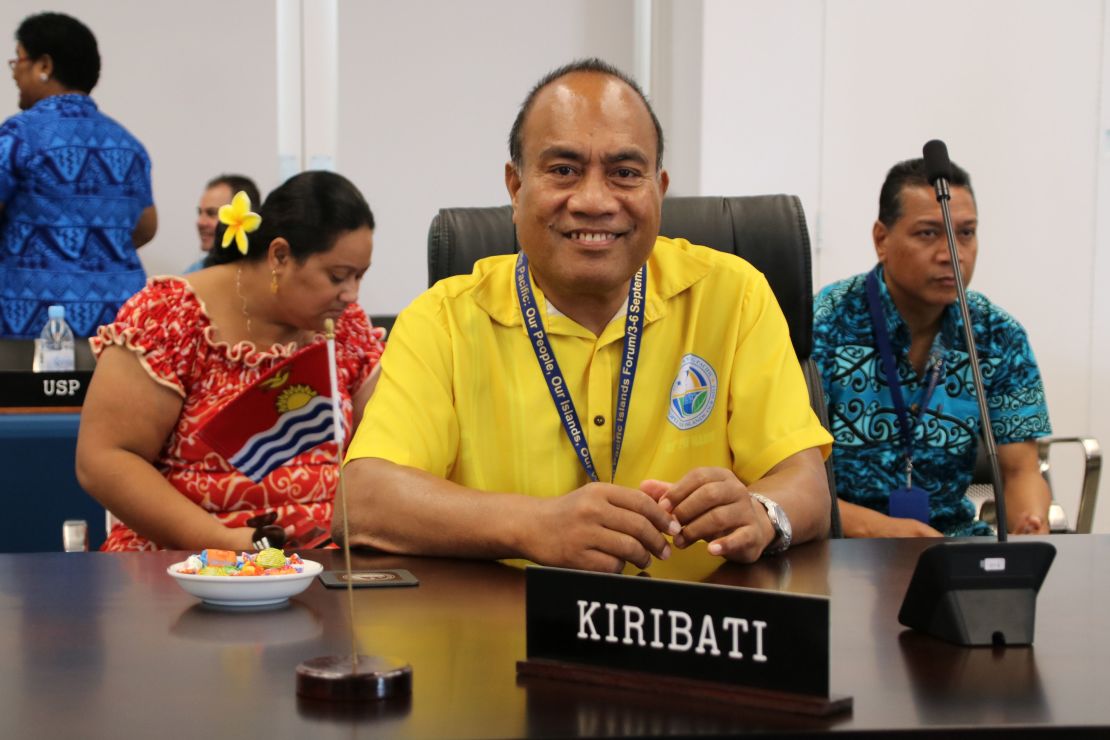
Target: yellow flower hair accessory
(240,221)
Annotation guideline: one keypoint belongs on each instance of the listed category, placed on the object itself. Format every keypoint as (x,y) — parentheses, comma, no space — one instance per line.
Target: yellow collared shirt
(462,396)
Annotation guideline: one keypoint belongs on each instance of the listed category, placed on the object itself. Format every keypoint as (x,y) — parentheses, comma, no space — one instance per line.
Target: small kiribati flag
(286,412)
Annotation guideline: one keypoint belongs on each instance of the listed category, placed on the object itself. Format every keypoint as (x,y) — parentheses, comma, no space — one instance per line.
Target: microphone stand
(977,593)
(943,196)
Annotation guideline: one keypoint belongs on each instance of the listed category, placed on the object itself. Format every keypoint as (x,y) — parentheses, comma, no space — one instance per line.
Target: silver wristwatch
(781,523)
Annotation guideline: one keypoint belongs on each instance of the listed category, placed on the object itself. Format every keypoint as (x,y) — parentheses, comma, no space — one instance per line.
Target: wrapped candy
(269,562)
(271,557)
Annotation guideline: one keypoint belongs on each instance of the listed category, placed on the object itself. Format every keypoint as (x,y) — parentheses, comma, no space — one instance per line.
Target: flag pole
(337,425)
(366,678)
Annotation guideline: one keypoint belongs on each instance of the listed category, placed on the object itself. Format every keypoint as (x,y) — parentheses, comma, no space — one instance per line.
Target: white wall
(428,92)
(676,89)
(1097,381)
(761,96)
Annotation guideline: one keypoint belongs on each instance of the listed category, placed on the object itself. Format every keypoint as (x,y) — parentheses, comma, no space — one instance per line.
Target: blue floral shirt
(868,456)
(73,183)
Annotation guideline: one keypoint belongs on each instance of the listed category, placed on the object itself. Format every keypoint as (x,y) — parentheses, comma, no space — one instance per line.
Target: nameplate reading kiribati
(705,640)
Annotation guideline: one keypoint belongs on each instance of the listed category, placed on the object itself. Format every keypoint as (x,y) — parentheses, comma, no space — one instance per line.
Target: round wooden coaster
(338,678)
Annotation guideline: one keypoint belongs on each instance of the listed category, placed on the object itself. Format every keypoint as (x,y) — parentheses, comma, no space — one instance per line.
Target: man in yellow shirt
(573,404)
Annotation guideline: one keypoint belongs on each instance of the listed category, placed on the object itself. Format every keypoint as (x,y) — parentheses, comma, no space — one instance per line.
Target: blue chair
(38,444)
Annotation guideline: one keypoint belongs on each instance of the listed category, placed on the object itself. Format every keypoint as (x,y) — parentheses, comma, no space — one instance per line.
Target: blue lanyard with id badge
(553,375)
(910,501)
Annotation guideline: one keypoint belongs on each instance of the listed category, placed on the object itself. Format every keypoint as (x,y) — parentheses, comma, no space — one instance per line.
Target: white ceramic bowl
(245,590)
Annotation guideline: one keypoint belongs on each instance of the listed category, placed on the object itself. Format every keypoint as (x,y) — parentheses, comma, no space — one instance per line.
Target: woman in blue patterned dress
(75,195)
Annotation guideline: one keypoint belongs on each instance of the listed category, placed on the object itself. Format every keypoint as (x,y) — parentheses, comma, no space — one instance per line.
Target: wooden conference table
(100,645)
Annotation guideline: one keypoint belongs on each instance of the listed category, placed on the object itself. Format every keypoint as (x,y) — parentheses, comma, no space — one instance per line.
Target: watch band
(779,522)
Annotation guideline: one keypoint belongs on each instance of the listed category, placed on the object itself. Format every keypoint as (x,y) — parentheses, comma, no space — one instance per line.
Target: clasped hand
(602,526)
(712,504)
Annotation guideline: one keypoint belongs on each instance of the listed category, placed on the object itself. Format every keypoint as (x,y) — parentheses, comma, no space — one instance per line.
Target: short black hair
(237,183)
(310,211)
(592,64)
(912,173)
(70,44)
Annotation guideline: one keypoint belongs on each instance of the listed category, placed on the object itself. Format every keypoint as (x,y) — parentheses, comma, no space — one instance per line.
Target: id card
(369,578)
(910,503)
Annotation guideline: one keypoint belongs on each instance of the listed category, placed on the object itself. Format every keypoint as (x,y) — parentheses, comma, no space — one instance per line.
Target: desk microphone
(938,168)
(974,593)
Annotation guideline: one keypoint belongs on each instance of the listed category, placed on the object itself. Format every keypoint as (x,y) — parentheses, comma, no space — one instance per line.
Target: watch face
(784,527)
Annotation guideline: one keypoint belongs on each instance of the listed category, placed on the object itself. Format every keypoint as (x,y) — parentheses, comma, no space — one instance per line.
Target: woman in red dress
(182,349)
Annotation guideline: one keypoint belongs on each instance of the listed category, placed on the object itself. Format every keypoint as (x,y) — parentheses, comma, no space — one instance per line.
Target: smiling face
(326,282)
(914,251)
(208,213)
(587,198)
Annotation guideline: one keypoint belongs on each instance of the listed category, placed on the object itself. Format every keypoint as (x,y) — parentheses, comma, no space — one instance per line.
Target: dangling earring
(273,282)
(44,77)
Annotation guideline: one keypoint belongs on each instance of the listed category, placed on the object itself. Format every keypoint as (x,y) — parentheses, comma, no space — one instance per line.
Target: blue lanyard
(556,385)
(890,367)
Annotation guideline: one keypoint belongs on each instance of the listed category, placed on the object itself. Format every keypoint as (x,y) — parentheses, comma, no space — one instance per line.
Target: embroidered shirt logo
(693,393)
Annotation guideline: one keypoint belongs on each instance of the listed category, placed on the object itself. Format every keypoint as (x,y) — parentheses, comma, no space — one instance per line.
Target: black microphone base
(977,593)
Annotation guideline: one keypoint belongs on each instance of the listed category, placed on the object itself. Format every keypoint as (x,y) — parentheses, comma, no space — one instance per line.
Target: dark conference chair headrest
(768,231)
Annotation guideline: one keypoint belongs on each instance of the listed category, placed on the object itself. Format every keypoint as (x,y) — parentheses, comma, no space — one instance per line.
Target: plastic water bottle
(75,535)
(54,351)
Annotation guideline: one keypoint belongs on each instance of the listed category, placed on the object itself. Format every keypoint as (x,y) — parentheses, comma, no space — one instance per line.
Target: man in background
(894,484)
(218,192)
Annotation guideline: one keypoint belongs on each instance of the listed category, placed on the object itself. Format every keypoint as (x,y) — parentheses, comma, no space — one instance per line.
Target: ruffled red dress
(166,326)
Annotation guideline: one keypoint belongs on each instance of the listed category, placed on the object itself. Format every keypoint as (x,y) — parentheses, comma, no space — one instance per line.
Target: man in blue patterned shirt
(913,294)
(75,194)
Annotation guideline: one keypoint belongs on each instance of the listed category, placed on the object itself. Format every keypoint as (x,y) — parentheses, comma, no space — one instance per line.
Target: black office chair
(384,321)
(769,231)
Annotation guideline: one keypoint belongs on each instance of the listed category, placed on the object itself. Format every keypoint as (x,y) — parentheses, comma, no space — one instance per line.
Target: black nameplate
(740,636)
(43,389)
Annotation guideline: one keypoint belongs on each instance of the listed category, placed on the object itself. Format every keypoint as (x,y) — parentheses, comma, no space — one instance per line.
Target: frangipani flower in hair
(240,221)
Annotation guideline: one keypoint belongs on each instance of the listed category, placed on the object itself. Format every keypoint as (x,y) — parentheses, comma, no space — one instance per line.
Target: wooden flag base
(368,678)
(817,706)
